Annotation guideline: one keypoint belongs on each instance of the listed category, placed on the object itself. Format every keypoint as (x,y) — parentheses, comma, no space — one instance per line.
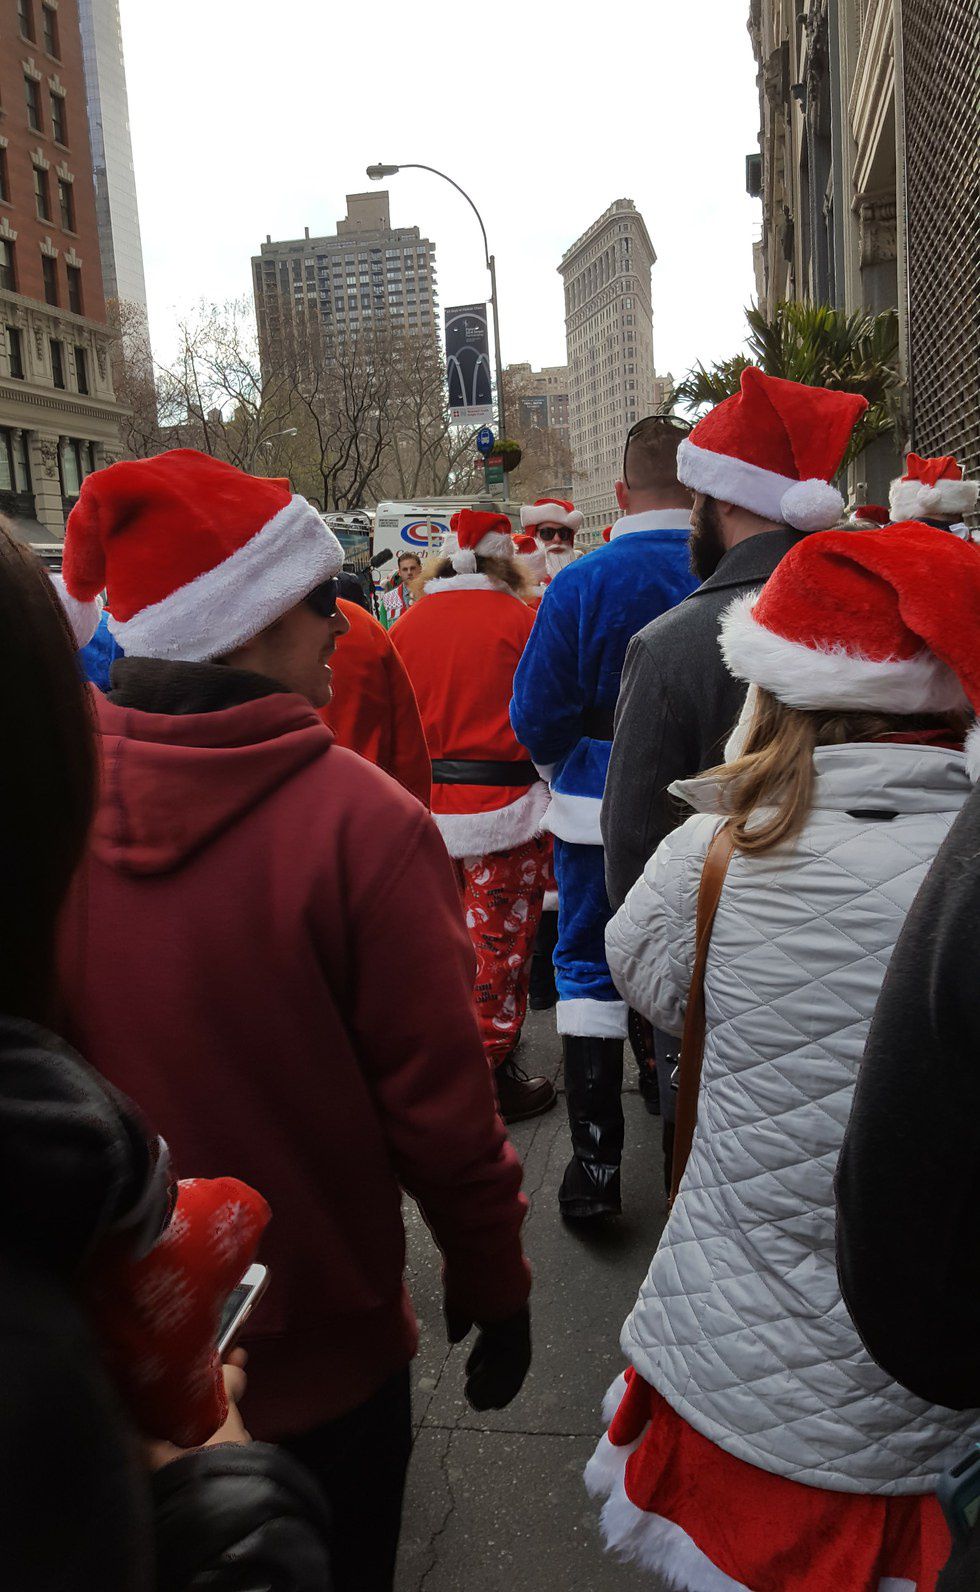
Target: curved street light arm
(416,166)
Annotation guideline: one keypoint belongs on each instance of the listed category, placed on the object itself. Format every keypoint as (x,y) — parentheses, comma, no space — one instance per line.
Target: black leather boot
(542,994)
(642,1045)
(593,1094)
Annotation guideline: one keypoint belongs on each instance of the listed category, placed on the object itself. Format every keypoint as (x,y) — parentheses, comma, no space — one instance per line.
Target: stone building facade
(609,335)
(59,418)
(870,187)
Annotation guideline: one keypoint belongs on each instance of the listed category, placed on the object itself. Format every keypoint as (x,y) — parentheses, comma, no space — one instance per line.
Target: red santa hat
(773,448)
(551,511)
(932,489)
(196,556)
(82,617)
(884,620)
(607,534)
(872,514)
(475,534)
(526,545)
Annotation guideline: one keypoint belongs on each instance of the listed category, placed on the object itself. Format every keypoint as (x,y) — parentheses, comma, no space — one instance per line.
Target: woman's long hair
(48,780)
(768,789)
(505,571)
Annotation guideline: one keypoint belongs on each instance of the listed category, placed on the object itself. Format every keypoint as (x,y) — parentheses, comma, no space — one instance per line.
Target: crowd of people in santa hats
(226,852)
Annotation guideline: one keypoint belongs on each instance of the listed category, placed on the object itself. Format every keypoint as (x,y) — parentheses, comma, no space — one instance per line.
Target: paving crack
(441,1530)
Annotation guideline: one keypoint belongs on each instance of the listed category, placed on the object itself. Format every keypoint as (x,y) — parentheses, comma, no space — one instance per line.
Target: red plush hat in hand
(158,1317)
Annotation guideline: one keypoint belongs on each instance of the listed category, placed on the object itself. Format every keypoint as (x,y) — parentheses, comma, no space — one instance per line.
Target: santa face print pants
(502,895)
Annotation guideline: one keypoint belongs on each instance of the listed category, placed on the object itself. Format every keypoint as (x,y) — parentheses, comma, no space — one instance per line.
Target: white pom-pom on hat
(83,617)
(812,505)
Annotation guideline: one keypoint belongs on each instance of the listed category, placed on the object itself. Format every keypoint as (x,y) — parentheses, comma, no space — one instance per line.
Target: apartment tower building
(59,419)
(117,210)
(367,274)
(609,335)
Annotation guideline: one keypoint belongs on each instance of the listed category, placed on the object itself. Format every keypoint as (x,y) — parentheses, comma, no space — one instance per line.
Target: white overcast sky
(544,113)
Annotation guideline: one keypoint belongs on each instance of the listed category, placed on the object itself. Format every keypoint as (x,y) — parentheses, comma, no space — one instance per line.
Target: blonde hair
(505,571)
(775,768)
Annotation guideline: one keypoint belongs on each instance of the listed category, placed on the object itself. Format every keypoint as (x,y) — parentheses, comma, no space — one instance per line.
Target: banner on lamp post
(468,365)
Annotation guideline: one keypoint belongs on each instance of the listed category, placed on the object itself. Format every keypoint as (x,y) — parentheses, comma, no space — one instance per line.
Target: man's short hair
(651,458)
(408,554)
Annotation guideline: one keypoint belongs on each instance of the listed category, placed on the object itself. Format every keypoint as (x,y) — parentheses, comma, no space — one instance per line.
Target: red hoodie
(374,711)
(265,949)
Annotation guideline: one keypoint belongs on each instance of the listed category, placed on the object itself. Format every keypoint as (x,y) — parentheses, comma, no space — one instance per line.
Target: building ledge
(28,394)
(873,89)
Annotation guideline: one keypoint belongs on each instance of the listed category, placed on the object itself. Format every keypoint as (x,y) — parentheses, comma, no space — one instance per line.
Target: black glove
(500,1358)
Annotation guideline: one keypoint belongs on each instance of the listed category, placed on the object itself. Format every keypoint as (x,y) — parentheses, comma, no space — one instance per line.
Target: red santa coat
(374,711)
(461,645)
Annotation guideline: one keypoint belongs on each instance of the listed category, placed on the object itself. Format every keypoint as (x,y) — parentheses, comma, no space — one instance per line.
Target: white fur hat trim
(83,617)
(813,677)
(550,514)
(947,500)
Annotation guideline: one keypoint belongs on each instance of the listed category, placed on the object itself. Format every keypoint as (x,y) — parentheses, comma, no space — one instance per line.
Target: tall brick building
(59,418)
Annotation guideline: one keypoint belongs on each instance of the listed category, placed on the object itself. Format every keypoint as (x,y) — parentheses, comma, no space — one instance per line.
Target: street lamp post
(376,174)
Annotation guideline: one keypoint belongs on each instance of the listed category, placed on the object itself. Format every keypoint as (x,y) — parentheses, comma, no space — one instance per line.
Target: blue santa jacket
(574,659)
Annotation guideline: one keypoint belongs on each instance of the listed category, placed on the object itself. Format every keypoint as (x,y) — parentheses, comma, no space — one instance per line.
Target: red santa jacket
(461,645)
(374,711)
(230,957)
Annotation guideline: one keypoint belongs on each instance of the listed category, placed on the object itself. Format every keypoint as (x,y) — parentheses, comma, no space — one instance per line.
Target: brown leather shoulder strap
(692,1046)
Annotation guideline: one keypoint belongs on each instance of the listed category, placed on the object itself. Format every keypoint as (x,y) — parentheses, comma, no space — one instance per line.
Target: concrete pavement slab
(505,1512)
(496,1499)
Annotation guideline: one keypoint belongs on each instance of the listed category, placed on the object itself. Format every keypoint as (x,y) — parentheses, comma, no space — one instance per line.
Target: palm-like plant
(822,346)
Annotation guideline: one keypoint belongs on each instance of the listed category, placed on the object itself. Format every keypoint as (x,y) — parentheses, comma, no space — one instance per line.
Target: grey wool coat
(677,706)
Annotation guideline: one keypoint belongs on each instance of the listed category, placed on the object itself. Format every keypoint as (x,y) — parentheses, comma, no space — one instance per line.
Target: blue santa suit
(565,692)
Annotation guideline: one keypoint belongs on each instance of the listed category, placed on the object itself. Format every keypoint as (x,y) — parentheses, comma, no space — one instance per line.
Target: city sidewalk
(496,1501)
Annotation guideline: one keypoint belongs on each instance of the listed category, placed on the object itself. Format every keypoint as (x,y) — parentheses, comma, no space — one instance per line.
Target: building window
(15,470)
(4,176)
(76,460)
(49,270)
(59,120)
(49,23)
(66,203)
(81,369)
(58,364)
(42,194)
(25,16)
(8,268)
(33,93)
(75,300)
(15,352)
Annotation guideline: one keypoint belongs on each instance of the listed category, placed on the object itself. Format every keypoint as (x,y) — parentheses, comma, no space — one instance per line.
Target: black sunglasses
(668,422)
(323,598)
(563,532)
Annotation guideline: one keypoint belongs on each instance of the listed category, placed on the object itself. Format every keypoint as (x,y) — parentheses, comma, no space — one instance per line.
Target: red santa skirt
(680,1506)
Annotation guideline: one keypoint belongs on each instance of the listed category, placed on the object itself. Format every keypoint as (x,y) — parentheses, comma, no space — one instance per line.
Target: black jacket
(677,706)
(79,1512)
(908,1178)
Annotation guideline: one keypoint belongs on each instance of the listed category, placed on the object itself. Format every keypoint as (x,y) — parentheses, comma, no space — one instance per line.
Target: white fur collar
(435,587)
(652,520)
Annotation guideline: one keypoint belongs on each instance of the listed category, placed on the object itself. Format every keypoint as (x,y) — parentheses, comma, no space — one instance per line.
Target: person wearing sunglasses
(553,523)
(565,694)
(230,959)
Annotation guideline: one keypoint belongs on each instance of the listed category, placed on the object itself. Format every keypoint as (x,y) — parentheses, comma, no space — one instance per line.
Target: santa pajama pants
(588,1001)
(502,895)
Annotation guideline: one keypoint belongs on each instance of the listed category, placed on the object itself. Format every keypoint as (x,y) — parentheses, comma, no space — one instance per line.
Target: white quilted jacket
(740,1323)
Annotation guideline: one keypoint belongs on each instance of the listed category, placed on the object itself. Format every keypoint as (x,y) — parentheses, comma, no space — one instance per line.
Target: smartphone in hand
(239,1305)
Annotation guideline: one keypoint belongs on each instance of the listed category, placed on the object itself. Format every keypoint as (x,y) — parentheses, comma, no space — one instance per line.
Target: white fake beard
(554,561)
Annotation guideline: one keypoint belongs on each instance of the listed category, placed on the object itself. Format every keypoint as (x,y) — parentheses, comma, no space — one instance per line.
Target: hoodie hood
(173,782)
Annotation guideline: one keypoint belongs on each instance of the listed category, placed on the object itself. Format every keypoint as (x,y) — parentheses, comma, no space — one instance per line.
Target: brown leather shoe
(520,1097)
